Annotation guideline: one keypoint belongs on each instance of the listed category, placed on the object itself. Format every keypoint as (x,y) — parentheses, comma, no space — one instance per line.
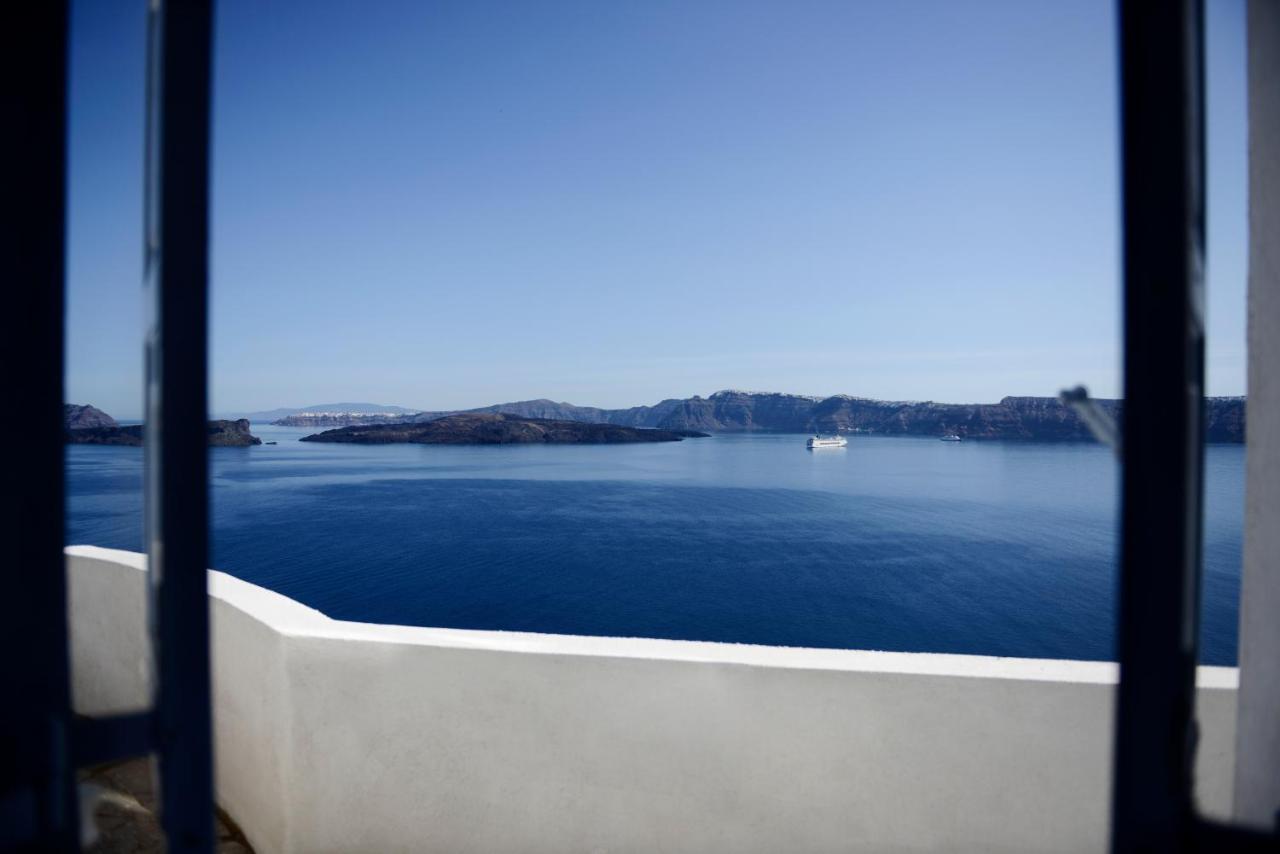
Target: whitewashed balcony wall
(337,736)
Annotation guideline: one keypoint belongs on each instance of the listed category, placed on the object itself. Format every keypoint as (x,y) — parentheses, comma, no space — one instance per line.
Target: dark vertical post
(1161,47)
(37,794)
(177,456)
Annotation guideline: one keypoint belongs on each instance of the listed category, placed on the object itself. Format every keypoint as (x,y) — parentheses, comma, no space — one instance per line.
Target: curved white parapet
(335,736)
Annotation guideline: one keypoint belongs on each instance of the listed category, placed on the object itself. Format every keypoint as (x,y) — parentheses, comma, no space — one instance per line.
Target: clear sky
(444,205)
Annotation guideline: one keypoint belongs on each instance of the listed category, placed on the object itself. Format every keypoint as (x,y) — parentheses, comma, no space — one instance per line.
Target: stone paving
(121,798)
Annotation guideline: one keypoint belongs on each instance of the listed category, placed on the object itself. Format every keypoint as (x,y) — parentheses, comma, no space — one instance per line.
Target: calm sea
(892,543)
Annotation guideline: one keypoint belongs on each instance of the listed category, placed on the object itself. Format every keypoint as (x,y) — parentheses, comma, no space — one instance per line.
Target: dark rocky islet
(498,429)
(221,434)
(77,416)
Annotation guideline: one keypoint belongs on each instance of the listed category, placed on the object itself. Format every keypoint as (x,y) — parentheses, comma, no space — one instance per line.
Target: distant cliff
(339,419)
(1038,418)
(1043,419)
(82,416)
(1224,419)
(272,415)
(1030,418)
(497,429)
(221,434)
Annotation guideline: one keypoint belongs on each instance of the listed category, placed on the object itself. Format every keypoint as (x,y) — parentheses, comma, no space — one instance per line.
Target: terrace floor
(124,812)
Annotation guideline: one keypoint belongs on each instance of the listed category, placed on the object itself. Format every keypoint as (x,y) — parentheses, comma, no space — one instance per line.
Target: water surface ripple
(908,544)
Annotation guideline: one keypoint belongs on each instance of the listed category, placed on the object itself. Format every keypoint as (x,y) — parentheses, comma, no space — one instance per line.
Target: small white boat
(950,437)
(826,442)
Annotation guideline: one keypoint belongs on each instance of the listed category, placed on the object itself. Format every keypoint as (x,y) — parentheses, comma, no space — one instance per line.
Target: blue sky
(453,204)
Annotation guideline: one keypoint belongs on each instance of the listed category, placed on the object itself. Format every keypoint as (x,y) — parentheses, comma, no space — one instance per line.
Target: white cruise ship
(827,442)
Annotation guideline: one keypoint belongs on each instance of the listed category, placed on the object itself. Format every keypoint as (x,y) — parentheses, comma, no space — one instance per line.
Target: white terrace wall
(341,737)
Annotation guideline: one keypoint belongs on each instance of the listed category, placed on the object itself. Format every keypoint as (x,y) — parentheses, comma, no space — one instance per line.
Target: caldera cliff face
(1042,419)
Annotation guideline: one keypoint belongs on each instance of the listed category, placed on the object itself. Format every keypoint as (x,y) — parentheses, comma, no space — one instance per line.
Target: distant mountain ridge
(1029,418)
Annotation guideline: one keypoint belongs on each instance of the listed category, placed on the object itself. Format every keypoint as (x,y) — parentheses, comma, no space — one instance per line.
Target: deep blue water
(892,543)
